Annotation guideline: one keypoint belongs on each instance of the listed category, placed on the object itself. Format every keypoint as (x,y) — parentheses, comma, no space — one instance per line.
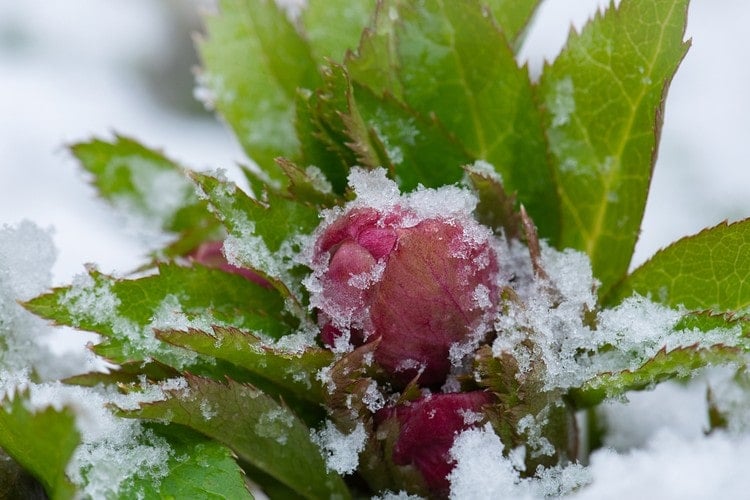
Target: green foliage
(258,429)
(197,468)
(513,16)
(603,101)
(678,363)
(349,17)
(27,436)
(709,270)
(292,372)
(450,61)
(142,182)
(253,62)
(126,311)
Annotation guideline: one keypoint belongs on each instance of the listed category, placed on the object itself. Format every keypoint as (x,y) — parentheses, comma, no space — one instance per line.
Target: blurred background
(70,70)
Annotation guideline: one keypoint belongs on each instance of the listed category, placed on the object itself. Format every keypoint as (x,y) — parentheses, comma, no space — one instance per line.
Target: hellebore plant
(431,246)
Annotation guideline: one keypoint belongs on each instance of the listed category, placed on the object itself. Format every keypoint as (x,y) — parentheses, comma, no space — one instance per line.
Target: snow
(58,87)
(340,450)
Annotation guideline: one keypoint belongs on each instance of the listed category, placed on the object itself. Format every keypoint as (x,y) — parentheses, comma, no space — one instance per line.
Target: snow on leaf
(142,181)
(125,312)
(709,270)
(27,436)
(677,363)
(259,430)
(254,62)
(198,467)
(603,103)
(292,371)
(263,235)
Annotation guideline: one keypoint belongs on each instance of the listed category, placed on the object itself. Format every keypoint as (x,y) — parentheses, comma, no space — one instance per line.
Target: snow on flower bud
(427,429)
(420,285)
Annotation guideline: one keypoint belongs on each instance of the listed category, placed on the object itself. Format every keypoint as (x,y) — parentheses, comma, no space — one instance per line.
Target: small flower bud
(427,430)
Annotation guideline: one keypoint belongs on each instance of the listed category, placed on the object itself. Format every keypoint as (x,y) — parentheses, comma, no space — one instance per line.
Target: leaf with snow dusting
(259,430)
(666,365)
(603,101)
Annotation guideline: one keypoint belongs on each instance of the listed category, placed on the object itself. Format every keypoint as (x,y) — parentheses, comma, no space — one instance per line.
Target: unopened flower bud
(421,286)
(427,429)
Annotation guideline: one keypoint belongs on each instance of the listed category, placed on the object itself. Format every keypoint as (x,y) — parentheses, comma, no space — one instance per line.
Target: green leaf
(666,365)
(260,431)
(450,60)
(292,371)
(603,101)
(263,235)
(514,17)
(125,312)
(254,62)
(141,181)
(705,321)
(42,441)
(496,209)
(709,270)
(198,467)
(335,26)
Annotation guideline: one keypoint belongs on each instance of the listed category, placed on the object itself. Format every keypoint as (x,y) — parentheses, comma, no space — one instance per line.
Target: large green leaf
(144,182)
(126,311)
(198,467)
(675,364)
(42,441)
(292,371)
(254,62)
(514,17)
(450,60)
(259,430)
(603,101)
(709,270)
(335,26)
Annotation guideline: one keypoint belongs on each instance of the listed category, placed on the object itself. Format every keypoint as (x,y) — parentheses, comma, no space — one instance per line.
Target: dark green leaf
(42,441)
(254,62)
(126,311)
(294,372)
(709,270)
(198,467)
(335,26)
(142,181)
(666,365)
(705,321)
(260,431)
(603,103)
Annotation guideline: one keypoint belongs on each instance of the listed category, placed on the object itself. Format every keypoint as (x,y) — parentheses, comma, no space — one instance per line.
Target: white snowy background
(73,69)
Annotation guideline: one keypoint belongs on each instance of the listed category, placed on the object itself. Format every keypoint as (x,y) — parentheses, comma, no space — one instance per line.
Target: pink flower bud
(428,428)
(211,254)
(420,286)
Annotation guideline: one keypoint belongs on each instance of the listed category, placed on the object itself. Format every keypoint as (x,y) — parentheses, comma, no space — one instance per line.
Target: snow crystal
(373,188)
(275,424)
(318,179)
(561,102)
(341,451)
